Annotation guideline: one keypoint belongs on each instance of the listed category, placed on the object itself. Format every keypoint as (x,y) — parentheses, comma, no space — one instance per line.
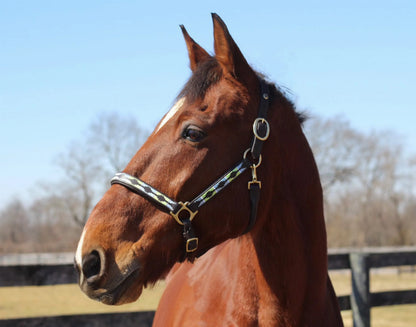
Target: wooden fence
(51,269)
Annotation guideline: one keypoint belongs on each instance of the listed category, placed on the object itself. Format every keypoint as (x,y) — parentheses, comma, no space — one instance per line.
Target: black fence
(53,269)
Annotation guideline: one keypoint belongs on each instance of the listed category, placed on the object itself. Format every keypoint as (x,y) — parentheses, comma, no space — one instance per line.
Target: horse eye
(193,134)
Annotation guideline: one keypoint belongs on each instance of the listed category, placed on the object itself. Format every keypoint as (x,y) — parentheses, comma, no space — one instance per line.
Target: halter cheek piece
(185,212)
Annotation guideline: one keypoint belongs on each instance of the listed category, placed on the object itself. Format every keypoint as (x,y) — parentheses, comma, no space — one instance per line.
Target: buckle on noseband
(183,208)
(192,244)
(183,217)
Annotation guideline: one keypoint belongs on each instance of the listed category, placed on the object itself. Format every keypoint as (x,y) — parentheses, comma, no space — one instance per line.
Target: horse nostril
(91,265)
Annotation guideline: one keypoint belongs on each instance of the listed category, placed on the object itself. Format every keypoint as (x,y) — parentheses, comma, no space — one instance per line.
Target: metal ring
(256,123)
(253,165)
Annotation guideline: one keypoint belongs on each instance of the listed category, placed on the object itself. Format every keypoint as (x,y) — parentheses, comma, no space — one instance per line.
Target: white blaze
(178,105)
(78,254)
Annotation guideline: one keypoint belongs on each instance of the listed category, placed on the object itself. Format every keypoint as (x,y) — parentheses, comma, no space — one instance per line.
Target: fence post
(360,295)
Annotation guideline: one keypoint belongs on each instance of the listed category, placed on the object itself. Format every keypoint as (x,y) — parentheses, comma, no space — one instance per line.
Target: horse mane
(209,73)
(278,92)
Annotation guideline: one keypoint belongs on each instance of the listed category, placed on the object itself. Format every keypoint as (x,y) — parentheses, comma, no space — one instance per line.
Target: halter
(185,212)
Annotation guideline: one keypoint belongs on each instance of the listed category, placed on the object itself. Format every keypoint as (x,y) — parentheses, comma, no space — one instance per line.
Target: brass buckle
(257,121)
(183,208)
(192,244)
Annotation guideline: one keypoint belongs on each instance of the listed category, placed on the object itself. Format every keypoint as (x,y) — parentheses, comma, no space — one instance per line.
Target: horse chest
(216,290)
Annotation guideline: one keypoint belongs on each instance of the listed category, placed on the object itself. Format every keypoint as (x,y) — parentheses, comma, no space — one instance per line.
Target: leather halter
(185,212)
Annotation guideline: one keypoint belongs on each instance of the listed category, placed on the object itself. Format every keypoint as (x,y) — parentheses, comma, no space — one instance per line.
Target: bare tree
(380,180)
(364,180)
(16,218)
(115,139)
(53,229)
(334,144)
(15,226)
(111,140)
(79,185)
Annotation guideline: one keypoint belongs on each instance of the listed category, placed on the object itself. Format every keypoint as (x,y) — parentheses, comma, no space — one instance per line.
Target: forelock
(206,75)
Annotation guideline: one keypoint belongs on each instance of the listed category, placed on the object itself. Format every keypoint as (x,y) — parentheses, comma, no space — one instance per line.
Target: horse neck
(289,241)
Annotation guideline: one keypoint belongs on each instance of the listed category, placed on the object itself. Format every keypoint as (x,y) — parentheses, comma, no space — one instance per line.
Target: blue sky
(62,63)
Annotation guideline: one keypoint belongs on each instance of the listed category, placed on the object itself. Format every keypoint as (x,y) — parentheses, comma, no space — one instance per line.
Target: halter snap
(253,167)
(254,177)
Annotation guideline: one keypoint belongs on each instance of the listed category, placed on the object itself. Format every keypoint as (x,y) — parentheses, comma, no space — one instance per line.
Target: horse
(224,201)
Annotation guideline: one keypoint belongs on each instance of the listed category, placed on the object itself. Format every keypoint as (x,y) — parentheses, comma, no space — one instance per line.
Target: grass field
(16,302)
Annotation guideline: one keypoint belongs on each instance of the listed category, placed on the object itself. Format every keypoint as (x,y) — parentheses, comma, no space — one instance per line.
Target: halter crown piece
(185,212)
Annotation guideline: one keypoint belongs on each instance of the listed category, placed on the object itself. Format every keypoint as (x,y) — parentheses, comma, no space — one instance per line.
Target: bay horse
(230,256)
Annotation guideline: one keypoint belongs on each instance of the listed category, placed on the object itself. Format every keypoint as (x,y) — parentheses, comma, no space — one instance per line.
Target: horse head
(132,237)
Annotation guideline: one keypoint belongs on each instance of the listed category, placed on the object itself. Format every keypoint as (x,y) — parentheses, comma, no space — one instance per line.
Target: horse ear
(228,53)
(195,52)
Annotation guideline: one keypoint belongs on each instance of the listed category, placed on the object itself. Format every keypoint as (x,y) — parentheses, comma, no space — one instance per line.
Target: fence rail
(52,269)
(360,262)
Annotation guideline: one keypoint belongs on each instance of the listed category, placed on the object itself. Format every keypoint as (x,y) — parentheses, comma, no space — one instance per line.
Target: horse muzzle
(108,283)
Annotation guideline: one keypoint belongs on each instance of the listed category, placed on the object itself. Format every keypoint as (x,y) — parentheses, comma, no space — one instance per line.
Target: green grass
(34,301)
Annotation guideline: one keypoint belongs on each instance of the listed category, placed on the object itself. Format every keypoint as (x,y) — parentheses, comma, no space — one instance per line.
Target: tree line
(368,181)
